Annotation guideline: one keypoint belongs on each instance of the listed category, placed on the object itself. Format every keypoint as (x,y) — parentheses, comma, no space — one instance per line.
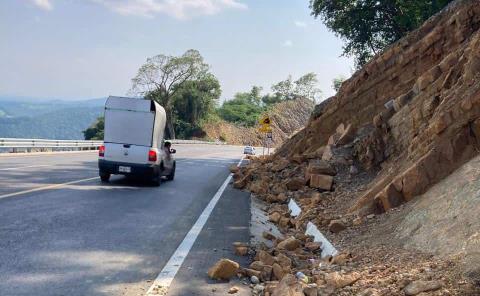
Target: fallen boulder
(338,280)
(289,244)
(336,226)
(288,286)
(322,182)
(224,269)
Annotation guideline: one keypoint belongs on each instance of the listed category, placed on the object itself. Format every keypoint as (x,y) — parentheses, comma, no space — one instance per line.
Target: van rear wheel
(171,176)
(105,177)
(157,180)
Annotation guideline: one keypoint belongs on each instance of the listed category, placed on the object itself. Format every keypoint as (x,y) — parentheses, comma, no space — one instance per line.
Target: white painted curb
(327,247)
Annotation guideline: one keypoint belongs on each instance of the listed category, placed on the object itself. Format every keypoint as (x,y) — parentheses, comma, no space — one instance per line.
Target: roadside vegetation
(190,94)
(368,27)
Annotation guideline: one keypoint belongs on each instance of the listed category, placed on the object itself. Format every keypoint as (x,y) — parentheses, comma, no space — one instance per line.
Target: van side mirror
(173,151)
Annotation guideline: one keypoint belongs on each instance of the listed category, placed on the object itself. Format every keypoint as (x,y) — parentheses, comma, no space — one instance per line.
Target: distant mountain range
(47,119)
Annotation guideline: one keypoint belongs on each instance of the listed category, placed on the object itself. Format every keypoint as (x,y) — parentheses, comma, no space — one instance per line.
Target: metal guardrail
(196,142)
(44,143)
(13,143)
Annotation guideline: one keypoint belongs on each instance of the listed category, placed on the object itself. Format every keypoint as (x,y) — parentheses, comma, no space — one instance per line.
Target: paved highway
(62,232)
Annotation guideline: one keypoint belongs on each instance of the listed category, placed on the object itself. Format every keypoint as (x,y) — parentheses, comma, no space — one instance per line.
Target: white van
(133,140)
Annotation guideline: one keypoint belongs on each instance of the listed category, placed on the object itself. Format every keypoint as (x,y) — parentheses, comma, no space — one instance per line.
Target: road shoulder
(228,223)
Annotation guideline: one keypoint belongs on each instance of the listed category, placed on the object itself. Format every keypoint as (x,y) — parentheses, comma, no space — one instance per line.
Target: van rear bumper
(112,167)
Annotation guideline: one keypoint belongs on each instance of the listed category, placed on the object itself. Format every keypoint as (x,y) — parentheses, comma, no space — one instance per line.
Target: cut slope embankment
(287,118)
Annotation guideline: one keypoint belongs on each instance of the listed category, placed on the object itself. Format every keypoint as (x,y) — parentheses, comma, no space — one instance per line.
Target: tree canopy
(162,76)
(193,102)
(246,107)
(337,82)
(305,87)
(368,26)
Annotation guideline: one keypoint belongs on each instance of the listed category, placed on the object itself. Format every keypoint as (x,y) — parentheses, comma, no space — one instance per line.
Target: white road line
(165,277)
(53,186)
(24,167)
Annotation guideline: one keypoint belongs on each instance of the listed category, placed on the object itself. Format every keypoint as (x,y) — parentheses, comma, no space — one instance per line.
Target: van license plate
(124,169)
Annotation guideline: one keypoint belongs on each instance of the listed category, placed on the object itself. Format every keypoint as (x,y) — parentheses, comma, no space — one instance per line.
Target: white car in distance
(249,150)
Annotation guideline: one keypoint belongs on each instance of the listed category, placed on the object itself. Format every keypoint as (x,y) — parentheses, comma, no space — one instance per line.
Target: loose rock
(418,287)
(224,269)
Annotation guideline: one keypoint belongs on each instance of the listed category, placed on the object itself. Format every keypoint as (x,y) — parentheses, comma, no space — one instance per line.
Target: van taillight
(152,155)
(101,151)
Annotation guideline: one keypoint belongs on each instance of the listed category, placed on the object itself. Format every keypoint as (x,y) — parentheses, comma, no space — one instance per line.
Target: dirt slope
(287,118)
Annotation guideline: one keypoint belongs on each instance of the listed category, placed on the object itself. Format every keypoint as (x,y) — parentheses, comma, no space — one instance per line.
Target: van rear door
(128,132)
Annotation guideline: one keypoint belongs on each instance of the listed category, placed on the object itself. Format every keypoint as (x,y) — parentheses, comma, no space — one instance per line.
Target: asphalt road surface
(62,232)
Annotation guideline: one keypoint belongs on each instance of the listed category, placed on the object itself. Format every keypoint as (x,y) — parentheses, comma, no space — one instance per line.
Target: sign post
(269,141)
(267,130)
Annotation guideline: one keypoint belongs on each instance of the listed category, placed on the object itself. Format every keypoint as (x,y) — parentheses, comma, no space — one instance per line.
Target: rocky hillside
(287,118)
(413,111)
(370,171)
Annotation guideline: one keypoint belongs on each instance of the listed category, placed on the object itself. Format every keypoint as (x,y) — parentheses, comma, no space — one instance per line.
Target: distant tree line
(190,94)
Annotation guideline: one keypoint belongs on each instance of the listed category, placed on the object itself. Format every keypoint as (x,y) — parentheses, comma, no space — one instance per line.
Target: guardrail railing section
(16,145)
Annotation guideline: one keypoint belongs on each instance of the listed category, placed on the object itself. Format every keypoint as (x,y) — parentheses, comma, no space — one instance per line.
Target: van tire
(171,176)
(157,180)
(105,177)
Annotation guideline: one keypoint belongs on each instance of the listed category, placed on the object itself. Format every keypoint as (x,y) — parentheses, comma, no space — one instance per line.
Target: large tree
(193,102)
(368,26)
(162,76)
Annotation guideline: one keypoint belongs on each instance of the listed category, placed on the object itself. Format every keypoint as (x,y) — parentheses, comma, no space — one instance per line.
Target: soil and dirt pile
(287,118)
(397,128)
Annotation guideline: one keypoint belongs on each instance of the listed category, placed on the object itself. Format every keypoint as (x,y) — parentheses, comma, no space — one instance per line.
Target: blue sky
(92,48)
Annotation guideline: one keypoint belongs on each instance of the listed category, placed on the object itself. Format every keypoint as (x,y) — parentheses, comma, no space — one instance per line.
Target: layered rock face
(412,112)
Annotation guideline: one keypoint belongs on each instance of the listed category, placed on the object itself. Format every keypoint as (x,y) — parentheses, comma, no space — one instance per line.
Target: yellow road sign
(266,121)
(265,129)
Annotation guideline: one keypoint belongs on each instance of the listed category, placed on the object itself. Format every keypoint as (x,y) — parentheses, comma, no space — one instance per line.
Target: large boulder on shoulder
(224,269)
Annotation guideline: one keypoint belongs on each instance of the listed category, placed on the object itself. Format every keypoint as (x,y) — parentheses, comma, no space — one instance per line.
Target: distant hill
(49,119)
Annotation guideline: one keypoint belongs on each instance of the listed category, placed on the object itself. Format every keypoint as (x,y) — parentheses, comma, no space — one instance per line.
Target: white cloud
(182,9)
(43,4)
(300,24)
(288,43)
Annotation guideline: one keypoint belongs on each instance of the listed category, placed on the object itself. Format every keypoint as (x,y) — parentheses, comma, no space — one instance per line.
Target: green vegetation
(95,132)
(369,26)
(337,82)
(190,95)
(246,107)
(162,77)
(193,103)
